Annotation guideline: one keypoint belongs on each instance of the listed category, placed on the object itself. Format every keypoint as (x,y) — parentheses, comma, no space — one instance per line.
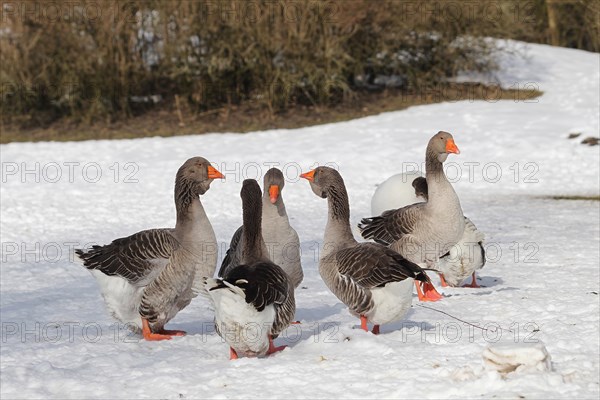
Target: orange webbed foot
(151,336)
(273,348)
(473,283)
(428,292)
(363,323)
(443,281)
(365,327)
(174,332)
(154,337)
(232,354)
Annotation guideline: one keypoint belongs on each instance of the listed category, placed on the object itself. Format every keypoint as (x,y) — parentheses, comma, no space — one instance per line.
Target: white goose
(423,232)
(374,281)
(148,277)
(254,300)
(395,192)
(464,258)
(281,240)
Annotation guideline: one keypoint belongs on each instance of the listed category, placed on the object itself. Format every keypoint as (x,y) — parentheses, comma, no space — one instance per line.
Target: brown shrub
(90,60)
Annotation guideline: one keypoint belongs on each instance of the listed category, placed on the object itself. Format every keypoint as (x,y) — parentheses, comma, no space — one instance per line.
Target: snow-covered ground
(541,282)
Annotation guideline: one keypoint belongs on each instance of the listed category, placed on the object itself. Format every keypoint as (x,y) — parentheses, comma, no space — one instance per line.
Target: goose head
(442,144)
(196,174)
(421,188)
(250,194)
(322,180)
(273,183)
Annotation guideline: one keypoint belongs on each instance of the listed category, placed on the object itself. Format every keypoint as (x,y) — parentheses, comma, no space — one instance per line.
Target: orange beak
(451,147)
(310,175)
(213,173)
(273,193)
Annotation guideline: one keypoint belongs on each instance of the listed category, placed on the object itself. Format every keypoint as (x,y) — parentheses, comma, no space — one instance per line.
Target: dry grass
(216,54)
(239,65)
(252,117)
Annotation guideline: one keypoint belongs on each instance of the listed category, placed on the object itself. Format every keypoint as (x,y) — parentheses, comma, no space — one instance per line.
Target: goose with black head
(254,300)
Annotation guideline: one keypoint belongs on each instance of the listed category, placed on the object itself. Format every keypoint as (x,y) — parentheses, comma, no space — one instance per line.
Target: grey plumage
(392,224)
(423,232)
(281,240)
(359,273)
(134,257)
(459,263)
(256,278)
(362,268)
(233,254)
(162,268)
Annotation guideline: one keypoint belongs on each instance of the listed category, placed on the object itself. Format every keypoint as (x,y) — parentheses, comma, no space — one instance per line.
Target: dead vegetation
(93,69)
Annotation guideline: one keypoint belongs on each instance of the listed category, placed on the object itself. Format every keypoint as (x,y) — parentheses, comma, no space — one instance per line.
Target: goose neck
(441,194)
(434,173)
(338,233)
(273,210)
(188,207)
(253,246)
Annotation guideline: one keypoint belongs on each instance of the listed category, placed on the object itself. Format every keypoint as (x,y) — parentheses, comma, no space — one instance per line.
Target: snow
(541,282)
(520,357)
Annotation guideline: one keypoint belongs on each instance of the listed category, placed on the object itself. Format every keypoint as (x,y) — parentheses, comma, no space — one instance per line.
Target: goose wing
(392,224)
(231,258)
(371,265)
(134,257)
(263,283)
(471,236)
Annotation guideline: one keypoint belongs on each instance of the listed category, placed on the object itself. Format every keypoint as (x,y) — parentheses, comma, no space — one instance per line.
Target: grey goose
(423,232)
(374,281)
(465,257)
(281,240)
(148,277)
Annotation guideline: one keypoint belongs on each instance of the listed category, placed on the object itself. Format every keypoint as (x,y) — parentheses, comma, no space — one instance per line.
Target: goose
(395,192)
(148,277)
(423,232)
(254,300)
(464,258)
(282,242)
(374,281)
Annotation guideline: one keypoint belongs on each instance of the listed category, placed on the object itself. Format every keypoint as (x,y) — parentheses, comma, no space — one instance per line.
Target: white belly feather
(122,298)
(243,327)
(391,302)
